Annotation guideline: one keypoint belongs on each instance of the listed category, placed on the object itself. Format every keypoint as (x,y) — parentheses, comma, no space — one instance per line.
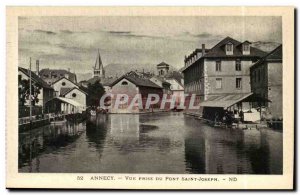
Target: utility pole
(30,117)
(30,105)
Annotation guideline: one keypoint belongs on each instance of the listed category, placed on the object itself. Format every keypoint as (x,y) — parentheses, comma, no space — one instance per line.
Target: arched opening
(124,83)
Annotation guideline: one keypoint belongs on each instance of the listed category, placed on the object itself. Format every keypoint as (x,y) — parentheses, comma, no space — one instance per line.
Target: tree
(95,92)
(24,91)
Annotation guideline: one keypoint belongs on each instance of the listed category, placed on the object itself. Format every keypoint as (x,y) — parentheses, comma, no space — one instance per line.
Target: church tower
(98,68)
(163,69)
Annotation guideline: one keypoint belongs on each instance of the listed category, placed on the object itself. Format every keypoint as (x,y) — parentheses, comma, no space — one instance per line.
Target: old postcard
(150,97)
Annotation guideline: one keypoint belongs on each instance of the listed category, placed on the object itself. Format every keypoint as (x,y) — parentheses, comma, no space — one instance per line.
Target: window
(246,47)
(161,72)
(254,73)
(63,83)
(238,83)
(258,75)
(238,66)
(229,47)
(124,83)
(200,85)
(73,95)
(218,83)
(218,65)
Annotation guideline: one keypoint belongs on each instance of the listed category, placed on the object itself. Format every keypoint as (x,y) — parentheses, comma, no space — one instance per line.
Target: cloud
(120,32)
(44,31)
(66,31)
(73,41)
(204,35)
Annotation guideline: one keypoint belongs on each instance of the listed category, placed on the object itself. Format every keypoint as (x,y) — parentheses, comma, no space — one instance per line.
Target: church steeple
(98,68)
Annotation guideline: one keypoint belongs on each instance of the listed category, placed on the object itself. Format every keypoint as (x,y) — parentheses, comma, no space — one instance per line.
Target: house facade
(177,89)
(162,83)
(69,94)
(133,84)
(266,80)
(174,80)
(45,94)
(224,69)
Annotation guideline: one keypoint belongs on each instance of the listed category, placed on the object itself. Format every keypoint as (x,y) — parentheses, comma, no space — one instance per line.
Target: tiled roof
(65,90)
(275,55)
(219,50)
(103,81)
(174,75)
(107,81)
(137,80)
(161,79)
(66,79)
(59,73)
(35,77)
(84,89)
(162,64)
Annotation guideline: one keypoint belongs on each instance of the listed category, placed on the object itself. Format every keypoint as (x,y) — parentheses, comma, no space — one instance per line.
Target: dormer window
(246,48)
(229,49)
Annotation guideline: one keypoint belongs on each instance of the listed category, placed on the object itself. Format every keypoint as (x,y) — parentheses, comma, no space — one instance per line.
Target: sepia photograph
(195,95)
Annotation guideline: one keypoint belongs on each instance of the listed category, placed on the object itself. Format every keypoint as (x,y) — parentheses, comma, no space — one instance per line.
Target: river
(149,143)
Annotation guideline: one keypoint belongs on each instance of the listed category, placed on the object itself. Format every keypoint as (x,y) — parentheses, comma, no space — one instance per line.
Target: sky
(73,42)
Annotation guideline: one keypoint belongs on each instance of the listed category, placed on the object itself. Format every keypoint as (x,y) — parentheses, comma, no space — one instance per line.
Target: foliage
(95,92)
(24,91)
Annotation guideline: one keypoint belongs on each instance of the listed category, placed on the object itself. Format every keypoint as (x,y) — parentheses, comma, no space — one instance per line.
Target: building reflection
(131,132)
(217,151)
(137,144)
(96,130)
(45,140)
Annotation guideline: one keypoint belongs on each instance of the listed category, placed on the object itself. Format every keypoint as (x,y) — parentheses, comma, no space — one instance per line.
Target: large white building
(69,98)
(224,69)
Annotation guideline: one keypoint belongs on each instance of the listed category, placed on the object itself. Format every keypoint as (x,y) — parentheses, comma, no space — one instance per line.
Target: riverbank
(141,112)
(26,124)
(241,126)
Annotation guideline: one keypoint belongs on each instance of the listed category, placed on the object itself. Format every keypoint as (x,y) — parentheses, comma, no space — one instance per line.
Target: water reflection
(217,151)
(46,140)
(151,143)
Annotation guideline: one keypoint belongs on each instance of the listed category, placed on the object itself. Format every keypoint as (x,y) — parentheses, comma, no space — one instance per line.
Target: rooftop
(35,77)
(137,79)
(219,51)
(47,74)
(274,56)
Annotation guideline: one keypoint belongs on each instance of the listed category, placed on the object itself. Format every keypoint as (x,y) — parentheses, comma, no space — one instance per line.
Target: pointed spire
(98,64)
(98,68)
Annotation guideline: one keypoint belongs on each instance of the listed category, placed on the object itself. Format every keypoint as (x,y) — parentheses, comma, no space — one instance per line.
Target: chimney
(37,62)
(68,69)
(203,49)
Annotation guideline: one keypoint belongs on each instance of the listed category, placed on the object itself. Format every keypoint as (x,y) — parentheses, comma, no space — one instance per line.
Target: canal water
(149,143)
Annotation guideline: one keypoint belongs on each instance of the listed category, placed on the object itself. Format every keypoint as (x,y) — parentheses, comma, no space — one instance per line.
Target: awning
(68,101)
(225,101)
